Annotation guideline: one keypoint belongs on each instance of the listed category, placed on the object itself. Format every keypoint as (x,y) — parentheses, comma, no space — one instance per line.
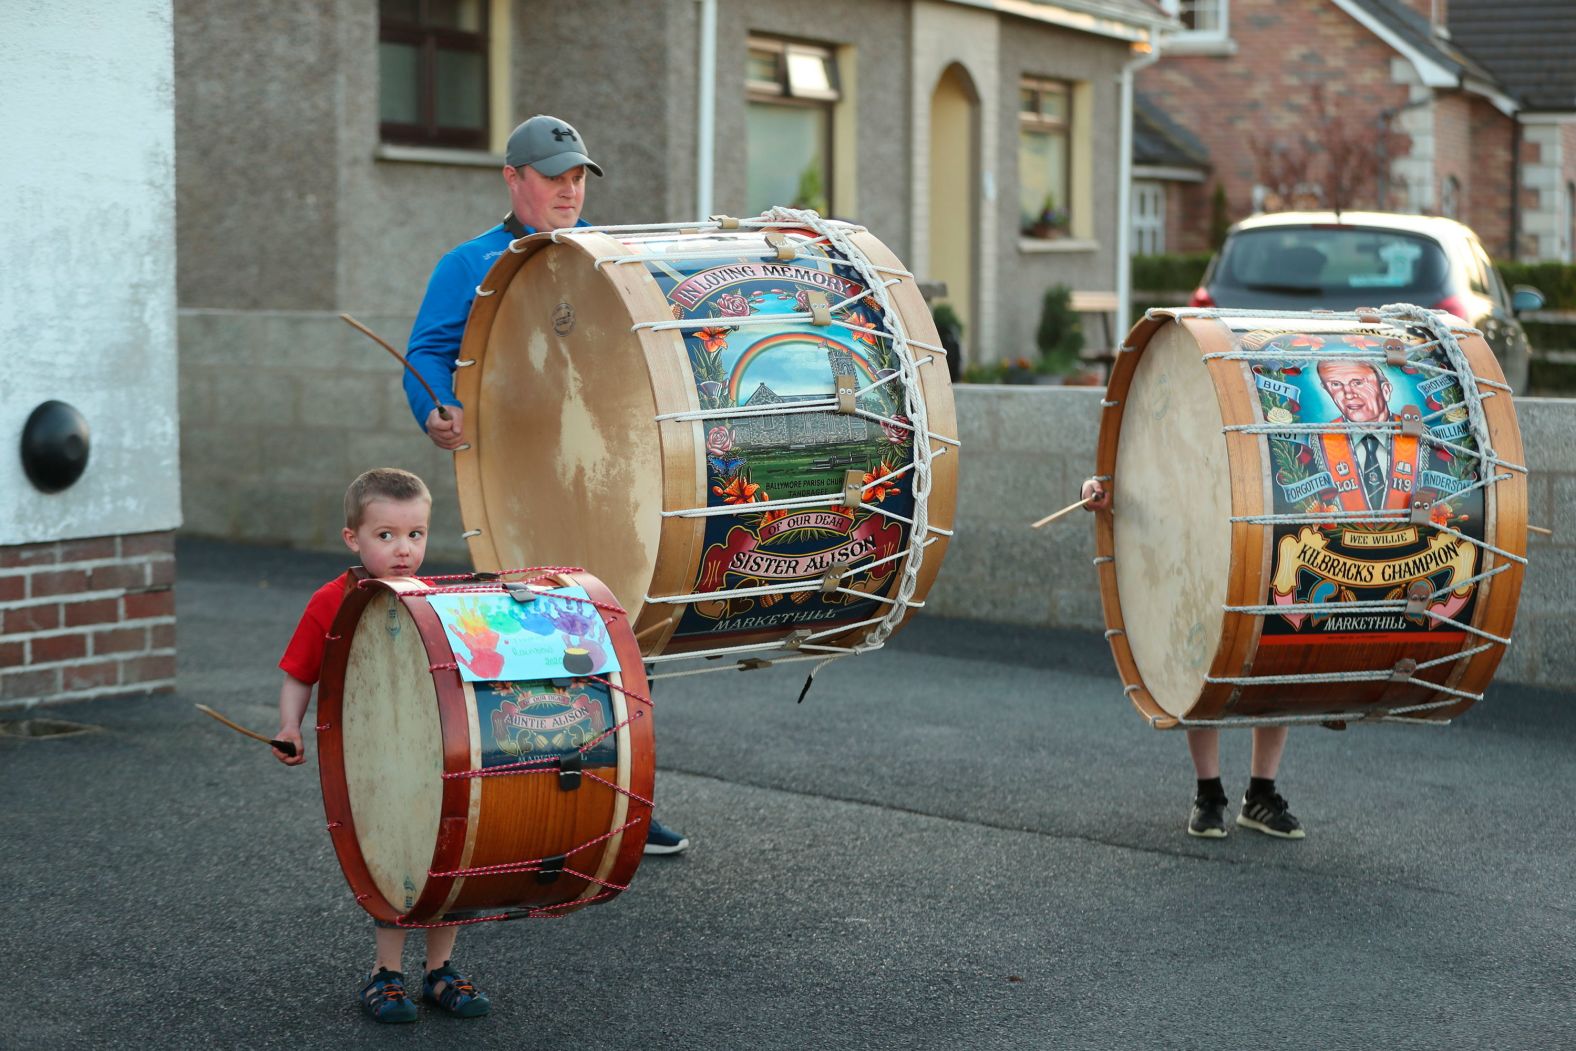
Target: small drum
(485,748)
(748,431)
(1315,517)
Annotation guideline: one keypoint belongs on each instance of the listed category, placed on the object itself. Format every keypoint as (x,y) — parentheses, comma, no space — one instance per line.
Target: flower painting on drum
(768,379)
(1374,481)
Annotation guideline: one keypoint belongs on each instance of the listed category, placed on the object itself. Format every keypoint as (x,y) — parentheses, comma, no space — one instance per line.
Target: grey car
(1325,260)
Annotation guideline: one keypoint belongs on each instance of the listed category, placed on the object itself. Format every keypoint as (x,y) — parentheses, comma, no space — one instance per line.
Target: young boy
(386,512)
(1263,809)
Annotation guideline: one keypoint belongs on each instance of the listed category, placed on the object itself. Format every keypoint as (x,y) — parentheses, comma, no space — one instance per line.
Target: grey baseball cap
(549,145)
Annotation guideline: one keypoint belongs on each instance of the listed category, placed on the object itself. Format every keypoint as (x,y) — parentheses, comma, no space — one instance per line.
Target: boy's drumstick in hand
(287,747)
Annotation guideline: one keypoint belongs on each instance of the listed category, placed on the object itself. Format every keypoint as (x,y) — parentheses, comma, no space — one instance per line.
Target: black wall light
(55,444)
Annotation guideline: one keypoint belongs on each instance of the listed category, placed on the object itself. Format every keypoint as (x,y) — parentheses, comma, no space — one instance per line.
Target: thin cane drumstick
(287,747)
(1539,530)
(1053,517)
(380,341)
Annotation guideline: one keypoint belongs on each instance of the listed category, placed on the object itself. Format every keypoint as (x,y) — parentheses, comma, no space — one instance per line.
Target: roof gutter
(1087,16)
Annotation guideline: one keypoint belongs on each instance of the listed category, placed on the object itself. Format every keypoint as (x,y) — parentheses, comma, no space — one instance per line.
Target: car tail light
(1455,305)
(1201,298)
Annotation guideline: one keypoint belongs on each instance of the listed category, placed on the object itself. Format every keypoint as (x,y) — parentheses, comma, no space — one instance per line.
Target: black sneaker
(1208,819)
(1268,814)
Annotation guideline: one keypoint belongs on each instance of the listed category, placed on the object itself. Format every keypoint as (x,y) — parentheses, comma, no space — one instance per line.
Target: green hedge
(1169,273)
(1557,281)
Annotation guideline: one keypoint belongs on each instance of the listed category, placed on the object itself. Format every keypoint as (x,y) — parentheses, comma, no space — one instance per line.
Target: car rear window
(1327,259)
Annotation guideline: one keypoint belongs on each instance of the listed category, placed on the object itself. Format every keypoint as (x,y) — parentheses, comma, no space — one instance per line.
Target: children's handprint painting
(557,634)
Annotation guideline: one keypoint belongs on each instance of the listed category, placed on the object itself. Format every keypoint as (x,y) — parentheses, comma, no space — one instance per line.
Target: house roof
(1161,142)
(1408,30)
(1527,44)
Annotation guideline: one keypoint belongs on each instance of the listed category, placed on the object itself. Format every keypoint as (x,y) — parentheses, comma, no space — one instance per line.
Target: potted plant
(1051,222)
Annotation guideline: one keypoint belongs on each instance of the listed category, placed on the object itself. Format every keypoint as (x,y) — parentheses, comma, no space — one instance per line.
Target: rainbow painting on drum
(497,637)
(787,443)
(1365,442)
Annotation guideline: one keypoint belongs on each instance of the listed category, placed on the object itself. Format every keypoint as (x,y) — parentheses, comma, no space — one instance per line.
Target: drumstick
(1053,517)
(1539,530)
(353,323)
(287,747)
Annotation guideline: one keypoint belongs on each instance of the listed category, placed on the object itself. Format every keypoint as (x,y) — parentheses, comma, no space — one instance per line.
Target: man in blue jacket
(546,175)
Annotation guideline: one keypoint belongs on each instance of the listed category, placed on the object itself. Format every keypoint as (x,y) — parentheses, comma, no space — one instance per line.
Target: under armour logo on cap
(548,145)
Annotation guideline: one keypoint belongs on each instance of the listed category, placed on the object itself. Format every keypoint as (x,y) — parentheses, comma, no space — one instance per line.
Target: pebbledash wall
(87,316)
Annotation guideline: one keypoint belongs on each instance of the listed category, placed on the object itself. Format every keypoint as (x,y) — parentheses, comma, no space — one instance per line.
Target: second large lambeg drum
(748,433)
(1314,516)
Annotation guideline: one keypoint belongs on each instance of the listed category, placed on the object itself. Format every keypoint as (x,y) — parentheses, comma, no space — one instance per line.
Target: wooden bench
(1102,305)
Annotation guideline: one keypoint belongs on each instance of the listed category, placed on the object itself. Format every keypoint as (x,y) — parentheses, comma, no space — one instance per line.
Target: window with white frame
(793,95)
(1045,143)
(1149,217)
(433,72)
(1203,21)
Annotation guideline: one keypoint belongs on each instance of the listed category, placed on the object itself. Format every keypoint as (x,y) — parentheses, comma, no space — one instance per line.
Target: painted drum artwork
(1315,517)
(485,747)
(747,432)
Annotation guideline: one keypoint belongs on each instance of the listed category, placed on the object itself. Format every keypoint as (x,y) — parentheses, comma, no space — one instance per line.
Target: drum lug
(832,579)
(1394,353)
(779,244)
(1422,512)
(519,591)
(1411,425)
(1402,672)
(551,868)
(797,638)
(569,771)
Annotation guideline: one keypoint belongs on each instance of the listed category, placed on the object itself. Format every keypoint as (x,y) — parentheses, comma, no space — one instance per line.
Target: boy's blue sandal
(384,997)
(458,996)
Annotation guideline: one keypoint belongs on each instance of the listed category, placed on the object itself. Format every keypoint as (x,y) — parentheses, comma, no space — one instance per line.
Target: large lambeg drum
(1314,517)
(749,432)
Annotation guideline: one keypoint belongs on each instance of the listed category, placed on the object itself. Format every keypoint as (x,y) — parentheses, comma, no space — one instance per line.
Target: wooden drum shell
(1236,644)
(500,820)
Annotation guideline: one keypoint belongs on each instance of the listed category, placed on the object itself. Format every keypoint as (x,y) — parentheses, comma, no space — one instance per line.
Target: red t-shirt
(303,659)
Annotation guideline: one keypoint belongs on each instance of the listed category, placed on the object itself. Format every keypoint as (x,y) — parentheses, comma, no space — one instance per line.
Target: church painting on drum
(1346,454)
(773,451)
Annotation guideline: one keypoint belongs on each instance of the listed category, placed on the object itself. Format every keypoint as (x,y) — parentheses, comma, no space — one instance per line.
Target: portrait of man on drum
(1365,460)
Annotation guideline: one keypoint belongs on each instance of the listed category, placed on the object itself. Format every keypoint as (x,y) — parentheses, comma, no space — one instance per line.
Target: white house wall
(87,247)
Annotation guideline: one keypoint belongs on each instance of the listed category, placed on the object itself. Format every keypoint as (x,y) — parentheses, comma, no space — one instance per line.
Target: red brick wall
(1283,49)
(87,618)
(1488,206)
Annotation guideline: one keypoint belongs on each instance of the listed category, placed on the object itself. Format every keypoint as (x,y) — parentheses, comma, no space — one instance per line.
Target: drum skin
(390,728)
(1172,558)
(567,463)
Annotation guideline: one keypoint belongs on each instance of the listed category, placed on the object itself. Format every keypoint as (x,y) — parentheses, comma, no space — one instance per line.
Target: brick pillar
(87,618)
